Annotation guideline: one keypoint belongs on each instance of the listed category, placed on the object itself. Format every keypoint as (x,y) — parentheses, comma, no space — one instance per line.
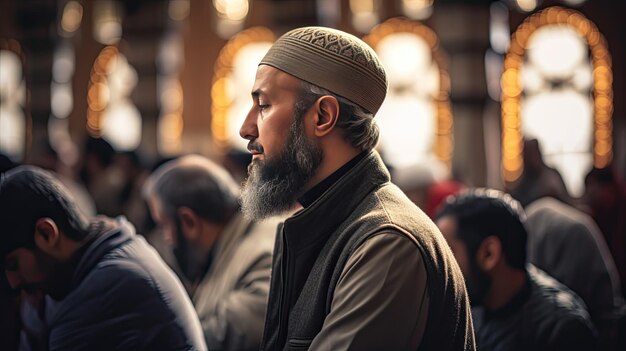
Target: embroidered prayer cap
(333,60)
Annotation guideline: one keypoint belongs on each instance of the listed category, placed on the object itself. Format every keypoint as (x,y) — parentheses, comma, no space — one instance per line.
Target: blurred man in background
(515,306)
(224,259)
(567,244)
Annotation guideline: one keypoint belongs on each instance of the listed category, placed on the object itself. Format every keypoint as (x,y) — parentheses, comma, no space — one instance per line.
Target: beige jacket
(231,299)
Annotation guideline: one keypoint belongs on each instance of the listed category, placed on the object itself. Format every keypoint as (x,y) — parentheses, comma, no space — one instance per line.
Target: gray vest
(313,246)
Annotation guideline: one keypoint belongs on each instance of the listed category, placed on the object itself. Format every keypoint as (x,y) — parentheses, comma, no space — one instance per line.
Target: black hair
(481,213)
(29,193)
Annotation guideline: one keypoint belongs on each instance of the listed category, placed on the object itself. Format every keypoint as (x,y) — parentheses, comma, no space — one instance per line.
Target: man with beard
(359,266)
(113,290)
(224,258)
(515,306)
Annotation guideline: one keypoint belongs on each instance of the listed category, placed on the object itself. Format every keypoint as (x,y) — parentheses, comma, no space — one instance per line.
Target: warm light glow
(417,9)
(235,10)
(61,99)
(407,129)
(121,126)
(556,50)
(110,112)
(532,81)
(13,125)
(561,120)
(526,5)
(12,131)
(573,108)
(63,64)
(170,132)
(405,56)
(357,6)
(10,74)
(178,10)
(107,22)
(499,35)
(72,16)
(232,83)
(365,14)
(415,119)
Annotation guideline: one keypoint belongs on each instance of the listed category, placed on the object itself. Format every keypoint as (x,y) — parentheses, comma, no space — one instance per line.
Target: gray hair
(359,126)
(196,182)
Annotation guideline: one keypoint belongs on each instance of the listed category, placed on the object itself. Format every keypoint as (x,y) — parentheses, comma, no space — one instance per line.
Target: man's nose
(249,129)
(14,279)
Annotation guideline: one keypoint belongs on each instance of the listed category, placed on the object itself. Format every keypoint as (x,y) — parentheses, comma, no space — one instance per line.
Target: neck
(505,285)
(336,154)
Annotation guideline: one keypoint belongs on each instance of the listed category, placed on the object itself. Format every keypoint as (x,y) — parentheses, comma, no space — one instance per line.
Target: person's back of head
(197,183)
(481,213)
(27,194)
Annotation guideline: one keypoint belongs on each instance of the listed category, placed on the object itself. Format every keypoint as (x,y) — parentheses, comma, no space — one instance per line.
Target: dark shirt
(122,296)
(544,315)
(315,192)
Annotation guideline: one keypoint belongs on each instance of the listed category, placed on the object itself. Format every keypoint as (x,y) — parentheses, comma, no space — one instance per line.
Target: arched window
(556,87)
(232,83)
(13,122)
(415,120)
(111,114)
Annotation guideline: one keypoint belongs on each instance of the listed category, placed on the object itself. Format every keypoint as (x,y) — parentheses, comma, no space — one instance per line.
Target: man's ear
(489,253)
(189,222)
(327,114)
(47,236)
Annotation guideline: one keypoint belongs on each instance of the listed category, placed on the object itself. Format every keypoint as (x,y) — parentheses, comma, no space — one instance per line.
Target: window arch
(232,82)
(574,86)
(419,91)
(110,112)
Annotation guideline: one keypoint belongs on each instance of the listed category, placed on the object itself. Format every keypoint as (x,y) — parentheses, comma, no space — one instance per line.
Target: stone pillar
(463,31)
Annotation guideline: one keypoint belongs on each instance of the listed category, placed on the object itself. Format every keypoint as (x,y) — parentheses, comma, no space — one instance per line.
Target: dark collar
(515,303)
(321,218)
(315,192)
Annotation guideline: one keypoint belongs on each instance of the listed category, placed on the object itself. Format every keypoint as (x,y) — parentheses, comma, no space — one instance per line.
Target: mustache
(254,146)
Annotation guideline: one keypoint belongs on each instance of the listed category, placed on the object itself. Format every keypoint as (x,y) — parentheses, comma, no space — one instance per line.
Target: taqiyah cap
(333,60)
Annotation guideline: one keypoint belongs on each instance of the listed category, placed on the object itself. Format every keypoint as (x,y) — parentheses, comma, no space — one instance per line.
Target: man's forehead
(269,78)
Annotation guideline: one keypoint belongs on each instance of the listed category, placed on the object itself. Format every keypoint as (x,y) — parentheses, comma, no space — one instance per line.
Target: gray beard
(274,184)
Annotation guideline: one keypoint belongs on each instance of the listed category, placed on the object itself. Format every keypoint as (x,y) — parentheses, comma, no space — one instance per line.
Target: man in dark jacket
(113,290)
(515,306)
(359,266)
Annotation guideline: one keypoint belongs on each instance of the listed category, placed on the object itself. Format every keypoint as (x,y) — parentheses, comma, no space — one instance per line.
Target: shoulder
(555,302)
(132,271)
(384,250)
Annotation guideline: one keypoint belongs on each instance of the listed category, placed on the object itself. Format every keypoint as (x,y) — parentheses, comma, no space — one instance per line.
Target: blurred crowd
(579,241)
